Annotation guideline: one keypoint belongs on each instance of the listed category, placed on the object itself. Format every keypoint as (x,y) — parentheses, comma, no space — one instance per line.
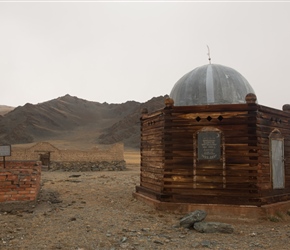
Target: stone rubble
(213,227)
(87,166)
(195,220)
(188,220)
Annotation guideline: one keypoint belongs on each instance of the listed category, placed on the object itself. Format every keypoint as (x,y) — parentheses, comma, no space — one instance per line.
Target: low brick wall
(19,181)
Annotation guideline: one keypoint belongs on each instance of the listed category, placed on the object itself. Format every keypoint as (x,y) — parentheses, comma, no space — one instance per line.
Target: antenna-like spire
(208,53)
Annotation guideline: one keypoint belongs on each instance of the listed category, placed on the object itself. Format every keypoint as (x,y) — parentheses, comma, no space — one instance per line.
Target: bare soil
(96,210)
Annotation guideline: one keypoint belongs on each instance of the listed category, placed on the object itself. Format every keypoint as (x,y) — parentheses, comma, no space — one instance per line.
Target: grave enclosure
(20,174)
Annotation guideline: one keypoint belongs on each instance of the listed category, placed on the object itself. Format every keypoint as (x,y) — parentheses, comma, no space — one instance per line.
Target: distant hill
(127,129)
(5,109)
(71,119)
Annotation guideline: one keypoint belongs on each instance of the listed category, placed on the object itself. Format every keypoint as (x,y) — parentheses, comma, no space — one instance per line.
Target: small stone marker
(188,220)
(213,227)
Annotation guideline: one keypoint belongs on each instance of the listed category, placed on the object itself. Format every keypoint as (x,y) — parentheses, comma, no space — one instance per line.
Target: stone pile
(195,220)
(87,166)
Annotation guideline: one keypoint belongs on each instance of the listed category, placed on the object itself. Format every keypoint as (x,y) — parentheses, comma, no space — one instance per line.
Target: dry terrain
(96,210)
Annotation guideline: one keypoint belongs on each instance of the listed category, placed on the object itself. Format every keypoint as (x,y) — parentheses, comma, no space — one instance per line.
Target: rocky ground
(96,210)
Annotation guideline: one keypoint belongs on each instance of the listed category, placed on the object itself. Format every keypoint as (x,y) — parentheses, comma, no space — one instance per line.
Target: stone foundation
(87,166)
(108,153)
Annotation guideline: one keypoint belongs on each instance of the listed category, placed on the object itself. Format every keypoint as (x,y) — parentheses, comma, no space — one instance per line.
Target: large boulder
(188,220)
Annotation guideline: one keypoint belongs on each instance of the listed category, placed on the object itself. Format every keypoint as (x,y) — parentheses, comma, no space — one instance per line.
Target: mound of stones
(195,220)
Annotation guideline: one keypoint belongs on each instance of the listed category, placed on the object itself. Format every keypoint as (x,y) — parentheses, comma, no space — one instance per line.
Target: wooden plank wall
(167,155)
(152,154)
(268,120)
(237,124)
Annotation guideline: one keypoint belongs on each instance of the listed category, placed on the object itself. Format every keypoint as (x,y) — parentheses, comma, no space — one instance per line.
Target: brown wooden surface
(167,154)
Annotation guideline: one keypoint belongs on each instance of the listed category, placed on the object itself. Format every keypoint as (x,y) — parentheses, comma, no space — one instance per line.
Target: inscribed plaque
(209,145)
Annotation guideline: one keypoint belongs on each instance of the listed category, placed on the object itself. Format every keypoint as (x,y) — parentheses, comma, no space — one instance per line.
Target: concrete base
(234,211)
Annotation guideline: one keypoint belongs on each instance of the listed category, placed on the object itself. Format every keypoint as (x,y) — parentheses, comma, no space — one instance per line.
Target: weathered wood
(170,172)
(151,186)
(152,175)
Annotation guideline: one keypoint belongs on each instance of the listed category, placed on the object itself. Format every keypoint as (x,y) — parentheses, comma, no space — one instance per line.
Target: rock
(158,242)
(124,239)
(73,219)
(208,244)
(75,175)
(195,216)
(213,227)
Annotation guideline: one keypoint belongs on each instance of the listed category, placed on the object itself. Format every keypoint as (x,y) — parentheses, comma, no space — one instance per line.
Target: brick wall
(19,181)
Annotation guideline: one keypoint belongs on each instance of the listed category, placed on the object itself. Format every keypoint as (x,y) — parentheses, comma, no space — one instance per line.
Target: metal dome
(211,84)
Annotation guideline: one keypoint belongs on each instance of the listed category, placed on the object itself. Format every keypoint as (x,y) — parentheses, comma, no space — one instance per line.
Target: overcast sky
(119,51)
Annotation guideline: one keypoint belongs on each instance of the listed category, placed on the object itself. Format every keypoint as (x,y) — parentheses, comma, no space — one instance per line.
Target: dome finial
(208,53)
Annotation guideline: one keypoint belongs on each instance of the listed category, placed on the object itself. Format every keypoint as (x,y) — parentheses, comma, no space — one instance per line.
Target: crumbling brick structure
(19,181)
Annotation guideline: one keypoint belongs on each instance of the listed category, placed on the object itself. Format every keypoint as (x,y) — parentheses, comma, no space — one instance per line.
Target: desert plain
(96,210)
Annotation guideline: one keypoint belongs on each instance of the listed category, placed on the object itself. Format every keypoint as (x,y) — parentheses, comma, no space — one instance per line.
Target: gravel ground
(96,210)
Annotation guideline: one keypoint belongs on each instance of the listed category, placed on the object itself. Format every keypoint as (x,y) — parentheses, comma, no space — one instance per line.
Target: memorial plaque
(209,145)
(5,150)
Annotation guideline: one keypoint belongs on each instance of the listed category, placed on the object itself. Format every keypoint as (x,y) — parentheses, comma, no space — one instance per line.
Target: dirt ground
(96,210)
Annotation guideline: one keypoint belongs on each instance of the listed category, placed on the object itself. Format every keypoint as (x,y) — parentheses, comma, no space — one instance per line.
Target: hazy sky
(119,51)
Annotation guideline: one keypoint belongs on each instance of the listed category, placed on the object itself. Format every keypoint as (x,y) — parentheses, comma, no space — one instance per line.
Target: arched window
(277,159)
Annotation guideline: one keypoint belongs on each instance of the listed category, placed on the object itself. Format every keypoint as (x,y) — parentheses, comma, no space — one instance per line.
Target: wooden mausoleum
(213,143)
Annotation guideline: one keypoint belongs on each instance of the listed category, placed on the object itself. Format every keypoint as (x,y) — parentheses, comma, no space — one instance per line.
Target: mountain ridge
(69,118)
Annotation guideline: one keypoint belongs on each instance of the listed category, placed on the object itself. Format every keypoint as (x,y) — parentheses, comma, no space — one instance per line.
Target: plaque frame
(219,164)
